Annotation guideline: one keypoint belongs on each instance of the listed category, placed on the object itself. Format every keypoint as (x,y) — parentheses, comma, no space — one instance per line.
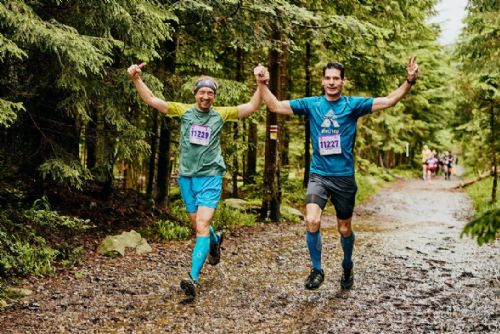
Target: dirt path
(413,274)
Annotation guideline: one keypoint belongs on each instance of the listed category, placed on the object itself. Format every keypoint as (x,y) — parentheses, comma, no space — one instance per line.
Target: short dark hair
(337,66)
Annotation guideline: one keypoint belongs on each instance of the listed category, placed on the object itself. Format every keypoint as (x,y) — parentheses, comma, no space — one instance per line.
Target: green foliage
(368,185)
(40,215)
(33,241)
(70,173)
(8,112)
(479,99)
(64,74)
(480,192)
(22,258)
(294,193)
(168,230)
(76,53)
(178,210)
(407,172)
(484,228)
(289,217)
(226,217)
(486,224)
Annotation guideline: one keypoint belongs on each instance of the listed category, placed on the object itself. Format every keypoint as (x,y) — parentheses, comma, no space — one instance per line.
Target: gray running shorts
(341,190)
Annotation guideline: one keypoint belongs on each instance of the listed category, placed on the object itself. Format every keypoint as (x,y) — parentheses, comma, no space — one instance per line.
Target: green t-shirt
(200,152)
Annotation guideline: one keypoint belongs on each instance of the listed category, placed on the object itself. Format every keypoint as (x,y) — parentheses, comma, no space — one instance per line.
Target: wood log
(474,180)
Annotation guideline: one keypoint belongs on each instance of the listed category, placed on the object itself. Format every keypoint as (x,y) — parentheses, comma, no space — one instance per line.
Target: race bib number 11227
(329,144)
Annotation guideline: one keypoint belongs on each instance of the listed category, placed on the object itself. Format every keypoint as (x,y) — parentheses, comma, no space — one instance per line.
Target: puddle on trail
(413,274)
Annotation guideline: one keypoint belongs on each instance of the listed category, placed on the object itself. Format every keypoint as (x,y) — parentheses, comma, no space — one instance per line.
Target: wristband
(411,82)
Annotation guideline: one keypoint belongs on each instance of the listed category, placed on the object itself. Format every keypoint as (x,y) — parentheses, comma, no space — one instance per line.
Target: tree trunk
(164,168)
(234,174)
(493,153)
(243,156)
(236,167)
(105,159)
(152,157)
(90,142)
(271,199)
(307,134)
(162,178)
(251,153)
(381,159)
(283,89)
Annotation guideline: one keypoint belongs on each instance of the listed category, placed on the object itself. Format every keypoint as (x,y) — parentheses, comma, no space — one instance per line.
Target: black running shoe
(189,286)
(347,279)
(214,255)
(315,279)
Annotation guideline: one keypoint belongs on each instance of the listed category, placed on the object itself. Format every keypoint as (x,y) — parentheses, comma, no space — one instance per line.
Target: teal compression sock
(347,247)
(214,240)
(314,244)
(200,253)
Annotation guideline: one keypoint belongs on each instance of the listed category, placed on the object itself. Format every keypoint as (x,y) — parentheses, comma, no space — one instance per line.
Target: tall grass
(480,192)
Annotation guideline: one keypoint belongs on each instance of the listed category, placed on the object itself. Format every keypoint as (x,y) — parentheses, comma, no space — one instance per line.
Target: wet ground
(413,274)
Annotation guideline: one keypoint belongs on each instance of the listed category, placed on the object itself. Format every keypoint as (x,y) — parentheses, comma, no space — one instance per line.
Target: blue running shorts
(200,191)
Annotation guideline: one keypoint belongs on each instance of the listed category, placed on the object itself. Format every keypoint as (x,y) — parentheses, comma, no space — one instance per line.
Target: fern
(71,173)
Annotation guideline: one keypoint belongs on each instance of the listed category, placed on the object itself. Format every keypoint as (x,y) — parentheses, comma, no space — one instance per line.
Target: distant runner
(426,154)
(448,160)
(432,167)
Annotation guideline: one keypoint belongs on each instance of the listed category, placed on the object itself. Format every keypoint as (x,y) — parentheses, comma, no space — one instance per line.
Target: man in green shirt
(201,164)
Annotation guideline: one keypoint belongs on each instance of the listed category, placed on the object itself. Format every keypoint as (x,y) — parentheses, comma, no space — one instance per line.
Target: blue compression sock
(347,246)
(213,237)
(314,244)
(200,253)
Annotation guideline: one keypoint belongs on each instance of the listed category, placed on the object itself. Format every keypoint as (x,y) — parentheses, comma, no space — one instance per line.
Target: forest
(81,156)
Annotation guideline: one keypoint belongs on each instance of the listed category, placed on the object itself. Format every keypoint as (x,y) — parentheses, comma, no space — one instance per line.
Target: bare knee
(344,227)
(202,227)
(312,223)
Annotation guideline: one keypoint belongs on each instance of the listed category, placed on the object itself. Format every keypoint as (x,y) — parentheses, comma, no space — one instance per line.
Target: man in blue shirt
(333,120)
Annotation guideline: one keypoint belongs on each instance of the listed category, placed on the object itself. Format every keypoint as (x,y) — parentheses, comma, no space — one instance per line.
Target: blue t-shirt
(333,131)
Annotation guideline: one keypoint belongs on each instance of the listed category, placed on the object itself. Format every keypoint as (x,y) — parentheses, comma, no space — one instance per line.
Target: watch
(411,82)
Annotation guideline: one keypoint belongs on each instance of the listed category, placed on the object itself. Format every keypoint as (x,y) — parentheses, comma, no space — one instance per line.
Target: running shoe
(189,286)
(315,279)
(214,255)
(347,279)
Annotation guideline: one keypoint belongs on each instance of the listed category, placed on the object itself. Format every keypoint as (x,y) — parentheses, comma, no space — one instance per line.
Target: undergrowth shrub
(485,227)
(226,217)
(34,241)
(167,230)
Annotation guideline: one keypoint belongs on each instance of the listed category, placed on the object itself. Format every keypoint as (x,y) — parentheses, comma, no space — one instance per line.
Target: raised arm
(390,100)
(279,107)
(245,110)
(134,72)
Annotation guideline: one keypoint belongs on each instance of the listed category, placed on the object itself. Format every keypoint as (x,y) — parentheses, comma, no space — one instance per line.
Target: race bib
(329,144)
(200,134)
